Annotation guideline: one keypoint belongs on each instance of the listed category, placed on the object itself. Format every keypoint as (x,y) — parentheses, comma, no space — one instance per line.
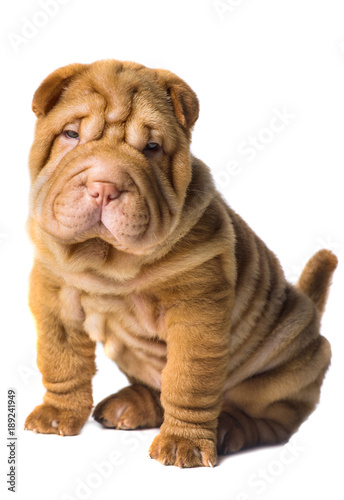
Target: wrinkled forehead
(116,91)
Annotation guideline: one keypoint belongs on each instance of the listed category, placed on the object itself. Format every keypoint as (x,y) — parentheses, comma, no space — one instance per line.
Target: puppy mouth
(131,209)
(100,209)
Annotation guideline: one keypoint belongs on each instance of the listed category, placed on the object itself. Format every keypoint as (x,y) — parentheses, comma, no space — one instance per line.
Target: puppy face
(111,154)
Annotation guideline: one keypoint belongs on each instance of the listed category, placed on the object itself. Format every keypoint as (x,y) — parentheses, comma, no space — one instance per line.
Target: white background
(254,59)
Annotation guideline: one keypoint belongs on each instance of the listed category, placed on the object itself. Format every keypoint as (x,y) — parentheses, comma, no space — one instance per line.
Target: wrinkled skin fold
(137,250)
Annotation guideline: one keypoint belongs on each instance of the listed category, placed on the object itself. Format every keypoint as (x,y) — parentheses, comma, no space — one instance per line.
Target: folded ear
(50,90)
(183,98)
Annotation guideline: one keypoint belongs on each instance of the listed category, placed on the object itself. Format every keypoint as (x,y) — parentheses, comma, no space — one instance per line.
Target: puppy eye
(71,134)
(152,146)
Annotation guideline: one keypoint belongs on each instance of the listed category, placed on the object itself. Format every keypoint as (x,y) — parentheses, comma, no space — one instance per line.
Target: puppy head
(111,155)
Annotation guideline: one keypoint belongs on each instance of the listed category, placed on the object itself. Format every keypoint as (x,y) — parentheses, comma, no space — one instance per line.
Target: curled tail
(315,279)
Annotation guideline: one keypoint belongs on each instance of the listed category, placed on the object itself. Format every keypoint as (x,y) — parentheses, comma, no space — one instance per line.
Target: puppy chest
(128,328)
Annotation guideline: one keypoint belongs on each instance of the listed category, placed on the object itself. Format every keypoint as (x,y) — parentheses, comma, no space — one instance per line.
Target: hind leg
(238,430)
(136,406)
(268,408)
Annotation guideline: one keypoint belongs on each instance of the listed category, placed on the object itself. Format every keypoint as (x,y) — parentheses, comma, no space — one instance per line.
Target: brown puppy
(136,249)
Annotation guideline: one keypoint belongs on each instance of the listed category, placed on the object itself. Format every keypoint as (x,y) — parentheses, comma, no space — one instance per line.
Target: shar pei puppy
(135,248)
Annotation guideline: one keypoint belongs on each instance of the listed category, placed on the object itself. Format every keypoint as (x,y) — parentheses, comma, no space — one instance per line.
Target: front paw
(47,419)
(174,450)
